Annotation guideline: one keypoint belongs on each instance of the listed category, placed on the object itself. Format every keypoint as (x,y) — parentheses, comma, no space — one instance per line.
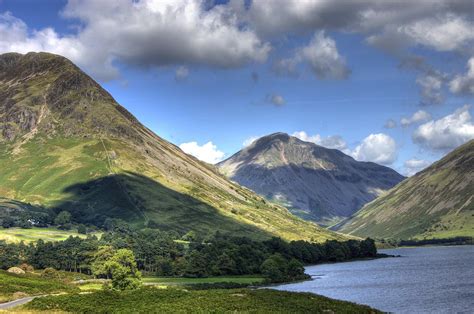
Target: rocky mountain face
(65,144)
(437,202)
(316,183)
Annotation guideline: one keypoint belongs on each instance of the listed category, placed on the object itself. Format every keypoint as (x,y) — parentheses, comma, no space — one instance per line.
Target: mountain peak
(46,93)
(316,182)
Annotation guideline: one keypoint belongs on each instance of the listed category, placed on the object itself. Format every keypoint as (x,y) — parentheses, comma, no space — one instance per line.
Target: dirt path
(18,302)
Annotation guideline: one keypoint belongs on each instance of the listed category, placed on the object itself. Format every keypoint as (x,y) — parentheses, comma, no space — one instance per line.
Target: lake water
(423,280)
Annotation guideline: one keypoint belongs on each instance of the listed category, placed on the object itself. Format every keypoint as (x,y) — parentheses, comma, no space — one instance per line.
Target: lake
(423,280)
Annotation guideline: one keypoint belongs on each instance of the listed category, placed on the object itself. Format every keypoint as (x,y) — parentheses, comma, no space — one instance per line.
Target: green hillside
(65,144)
(438,202)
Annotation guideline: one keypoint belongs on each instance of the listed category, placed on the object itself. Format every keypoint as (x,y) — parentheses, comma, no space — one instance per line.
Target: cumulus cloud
(144,33)
(464,84)
(446,133)
(276,100)
(414,165)
(417,117)
(181,73)
(207,152)
(390,124)
(320,54)
(323,57)
(379,148)
(333,141)
(444,32)
(430,88)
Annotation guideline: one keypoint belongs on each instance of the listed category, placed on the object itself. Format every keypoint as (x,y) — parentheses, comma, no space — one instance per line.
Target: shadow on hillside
(137,199)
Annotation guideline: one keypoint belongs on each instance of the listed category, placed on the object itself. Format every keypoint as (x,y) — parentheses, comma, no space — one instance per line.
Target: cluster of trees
(26,220)
(159,253)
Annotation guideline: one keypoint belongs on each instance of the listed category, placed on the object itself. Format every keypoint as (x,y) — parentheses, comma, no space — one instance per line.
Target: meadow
(15,235)
(173,281)
(172,300)
(16,286)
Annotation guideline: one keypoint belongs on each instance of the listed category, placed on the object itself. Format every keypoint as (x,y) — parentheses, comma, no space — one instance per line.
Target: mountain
(316,183)
(437,202)
(66,144)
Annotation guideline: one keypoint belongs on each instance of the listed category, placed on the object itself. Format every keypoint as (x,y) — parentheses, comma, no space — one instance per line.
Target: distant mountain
(437,202)
(65,144)
(316,183)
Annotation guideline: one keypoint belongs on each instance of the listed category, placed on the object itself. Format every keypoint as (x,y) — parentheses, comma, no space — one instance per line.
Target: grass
(187,281)
(12,286)
(171,300)
(74,174)
(34,234)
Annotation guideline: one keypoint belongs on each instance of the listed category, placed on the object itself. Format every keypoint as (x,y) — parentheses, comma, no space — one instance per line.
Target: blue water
(423,280)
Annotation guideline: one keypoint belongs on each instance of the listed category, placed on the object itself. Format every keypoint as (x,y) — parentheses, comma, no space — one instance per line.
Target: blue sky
(321,70)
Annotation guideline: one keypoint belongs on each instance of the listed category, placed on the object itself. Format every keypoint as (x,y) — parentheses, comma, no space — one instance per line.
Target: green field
(167,281)
(171,300)
(15,286)
(34,234)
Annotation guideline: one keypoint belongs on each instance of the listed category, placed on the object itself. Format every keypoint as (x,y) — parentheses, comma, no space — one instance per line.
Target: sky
(385,81)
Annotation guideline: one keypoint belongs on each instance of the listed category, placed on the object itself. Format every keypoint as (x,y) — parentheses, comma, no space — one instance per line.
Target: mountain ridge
(318,183)
(66,144)
(437,202)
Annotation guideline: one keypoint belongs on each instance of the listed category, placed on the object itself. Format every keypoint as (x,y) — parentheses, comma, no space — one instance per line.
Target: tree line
(160,253)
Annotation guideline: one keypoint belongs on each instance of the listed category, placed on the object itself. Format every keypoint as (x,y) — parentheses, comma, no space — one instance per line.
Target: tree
(8,222)
(63,219)
(101,256)
(82,229)
(274,268)
(123,268)
(295,270)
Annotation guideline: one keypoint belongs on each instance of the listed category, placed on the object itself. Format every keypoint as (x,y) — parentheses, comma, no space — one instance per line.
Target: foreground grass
(16,286)
(16,235)
(189,281)
(151,300)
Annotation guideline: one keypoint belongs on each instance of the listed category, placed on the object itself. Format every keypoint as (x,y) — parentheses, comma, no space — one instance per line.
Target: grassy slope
(60,161)
(34,234)
(435,203)
(29,284)
(151,300)
(76,175)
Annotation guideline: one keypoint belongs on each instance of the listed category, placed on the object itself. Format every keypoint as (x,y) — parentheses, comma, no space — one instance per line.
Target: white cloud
(207,152)
(417,117)
(414,165)
(464,84)
(444,32)
(144,33)
(390,124)
(181,73)
(379,148)
(323,57)
(446,133)
(276,100)
(320,54)
(250,140)
(430,86)
(333,141)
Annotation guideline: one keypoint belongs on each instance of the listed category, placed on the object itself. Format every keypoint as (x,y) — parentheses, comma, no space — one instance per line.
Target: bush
(50,273)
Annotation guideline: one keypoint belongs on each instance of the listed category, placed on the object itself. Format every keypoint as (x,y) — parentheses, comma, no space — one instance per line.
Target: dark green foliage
(9,255)
(448,241)
(149,300)
(158,253)
(8,222)
(63,220)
